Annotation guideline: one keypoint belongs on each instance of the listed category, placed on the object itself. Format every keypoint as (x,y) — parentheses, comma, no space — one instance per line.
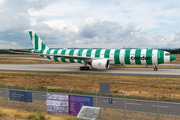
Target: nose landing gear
(155,69)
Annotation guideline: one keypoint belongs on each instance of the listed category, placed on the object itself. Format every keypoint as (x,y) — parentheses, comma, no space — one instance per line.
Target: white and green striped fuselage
(102,57)
(116,56)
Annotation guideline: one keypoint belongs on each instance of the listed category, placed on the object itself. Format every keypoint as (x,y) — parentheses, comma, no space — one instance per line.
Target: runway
(74,68)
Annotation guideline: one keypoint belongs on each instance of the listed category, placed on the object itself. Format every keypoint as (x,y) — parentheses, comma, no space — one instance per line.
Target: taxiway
(74,68)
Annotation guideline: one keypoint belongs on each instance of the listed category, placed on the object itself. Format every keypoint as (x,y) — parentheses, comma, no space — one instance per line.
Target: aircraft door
(155,57)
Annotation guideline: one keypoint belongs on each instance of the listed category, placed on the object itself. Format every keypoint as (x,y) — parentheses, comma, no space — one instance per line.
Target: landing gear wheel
(84,68)
(81,68)
(155,69)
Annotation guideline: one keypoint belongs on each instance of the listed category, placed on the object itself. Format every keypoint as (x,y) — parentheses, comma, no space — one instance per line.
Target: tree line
(172,51)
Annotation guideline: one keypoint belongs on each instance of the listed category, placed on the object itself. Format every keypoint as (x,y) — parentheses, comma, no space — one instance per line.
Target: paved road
(136,105)
(74,68)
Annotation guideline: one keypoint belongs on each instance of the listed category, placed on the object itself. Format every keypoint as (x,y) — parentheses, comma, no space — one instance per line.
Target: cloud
(102,24)
(15,18)
(95,33)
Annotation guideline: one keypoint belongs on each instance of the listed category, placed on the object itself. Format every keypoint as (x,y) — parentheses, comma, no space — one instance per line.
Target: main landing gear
(84,68)
(155,69)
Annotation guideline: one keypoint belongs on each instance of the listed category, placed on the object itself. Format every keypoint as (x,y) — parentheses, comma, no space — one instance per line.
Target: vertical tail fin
(38,44)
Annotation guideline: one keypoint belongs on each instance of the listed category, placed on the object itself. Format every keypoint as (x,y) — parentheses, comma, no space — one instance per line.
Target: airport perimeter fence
(114,108)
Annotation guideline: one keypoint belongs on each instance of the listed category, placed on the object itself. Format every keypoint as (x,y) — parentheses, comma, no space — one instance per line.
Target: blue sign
(76,102)
(21,96)
(110,101)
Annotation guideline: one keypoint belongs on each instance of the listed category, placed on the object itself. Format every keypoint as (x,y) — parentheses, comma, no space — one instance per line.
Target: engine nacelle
(100,64)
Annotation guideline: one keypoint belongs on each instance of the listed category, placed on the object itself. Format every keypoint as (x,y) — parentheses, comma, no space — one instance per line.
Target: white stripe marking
(75,54)
(102,53)
(67,53)
(154,57)
(166,58)
(133,104)
(161,106)
(93,53)
(44,52)
(52,57)
(33,37)
(132,54)
(122,56)
(84,52)
(39,43)
(112,56)
(59,53)
(143,53)
(1,91)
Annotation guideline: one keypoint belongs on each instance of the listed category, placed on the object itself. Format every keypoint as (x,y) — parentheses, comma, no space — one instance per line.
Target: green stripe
(161,57)
(107,53)
(41,51)
(149,55)
(43,46)
(30,33)
(138,54)
(48,52)
(71,54)
(127,56)
(36,41)
(116,56)
(55,52)
(80,54)
(63,53)
(97,53)
(88,54)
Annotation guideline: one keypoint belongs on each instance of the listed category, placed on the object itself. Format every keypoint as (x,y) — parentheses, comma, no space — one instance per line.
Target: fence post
(125,106)
(46,89)
(7,94)
(96,98)
(71,90)
(26,97)
(46,93)
(157,106)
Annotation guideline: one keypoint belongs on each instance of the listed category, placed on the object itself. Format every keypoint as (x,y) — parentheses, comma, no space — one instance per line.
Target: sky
(91,23)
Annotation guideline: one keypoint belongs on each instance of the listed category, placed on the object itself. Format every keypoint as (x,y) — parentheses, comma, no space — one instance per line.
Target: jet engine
(100,64)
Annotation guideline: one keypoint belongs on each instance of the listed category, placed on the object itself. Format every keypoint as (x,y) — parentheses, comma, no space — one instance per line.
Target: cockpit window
(167,54)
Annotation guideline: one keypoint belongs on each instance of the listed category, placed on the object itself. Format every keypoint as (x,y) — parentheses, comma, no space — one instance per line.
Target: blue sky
(91,23)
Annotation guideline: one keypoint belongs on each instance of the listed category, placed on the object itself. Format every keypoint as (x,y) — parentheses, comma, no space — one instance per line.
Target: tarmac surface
(74,68)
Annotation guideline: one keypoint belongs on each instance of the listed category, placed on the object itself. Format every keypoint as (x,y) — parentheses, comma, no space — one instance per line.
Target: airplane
(101,58)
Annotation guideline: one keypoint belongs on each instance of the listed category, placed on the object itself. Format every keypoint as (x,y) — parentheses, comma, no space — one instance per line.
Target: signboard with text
(57,103)
(76,102)
(88,113)
(21,96)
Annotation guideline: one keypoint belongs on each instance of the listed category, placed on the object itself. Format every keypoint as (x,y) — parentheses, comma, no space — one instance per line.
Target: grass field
(17,114)
(147,87)
(106,114)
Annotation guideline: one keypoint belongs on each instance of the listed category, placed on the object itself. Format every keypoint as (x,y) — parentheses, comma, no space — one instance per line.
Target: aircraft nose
(172,57)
